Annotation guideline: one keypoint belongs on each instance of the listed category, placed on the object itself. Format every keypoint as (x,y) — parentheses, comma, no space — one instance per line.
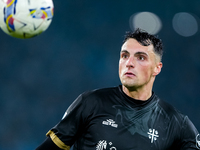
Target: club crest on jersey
(198,141)
(153,135)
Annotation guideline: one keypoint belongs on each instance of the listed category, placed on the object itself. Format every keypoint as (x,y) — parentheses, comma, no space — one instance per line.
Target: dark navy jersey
(107,119)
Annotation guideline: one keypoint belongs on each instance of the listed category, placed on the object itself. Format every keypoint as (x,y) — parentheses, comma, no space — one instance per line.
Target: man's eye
(141,57)
(124,56)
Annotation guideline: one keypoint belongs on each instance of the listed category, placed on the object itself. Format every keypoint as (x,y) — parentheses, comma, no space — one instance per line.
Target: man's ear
(158,68)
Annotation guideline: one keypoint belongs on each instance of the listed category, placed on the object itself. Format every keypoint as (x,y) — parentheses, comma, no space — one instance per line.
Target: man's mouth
(129,74)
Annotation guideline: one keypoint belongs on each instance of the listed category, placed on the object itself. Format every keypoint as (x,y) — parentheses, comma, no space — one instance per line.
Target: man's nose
(130,62)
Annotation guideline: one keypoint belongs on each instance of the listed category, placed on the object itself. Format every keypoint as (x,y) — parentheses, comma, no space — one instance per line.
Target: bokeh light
(147,21)
(185,24)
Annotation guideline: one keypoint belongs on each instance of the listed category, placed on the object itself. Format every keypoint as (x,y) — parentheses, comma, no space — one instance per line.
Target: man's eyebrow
(137,53)
(124,51)
(141,53)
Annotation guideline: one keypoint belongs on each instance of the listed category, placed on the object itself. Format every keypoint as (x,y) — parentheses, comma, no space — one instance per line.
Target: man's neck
(139,94)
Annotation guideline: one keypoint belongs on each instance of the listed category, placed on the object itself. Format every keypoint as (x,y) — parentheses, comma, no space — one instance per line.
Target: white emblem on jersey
(110,122)
(103,145)
(198,141)
(153,135)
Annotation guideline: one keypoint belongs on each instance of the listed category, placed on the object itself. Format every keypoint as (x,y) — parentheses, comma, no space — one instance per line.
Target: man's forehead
(132,45)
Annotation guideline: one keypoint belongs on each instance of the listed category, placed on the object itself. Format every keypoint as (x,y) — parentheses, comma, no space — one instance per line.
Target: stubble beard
(129,84)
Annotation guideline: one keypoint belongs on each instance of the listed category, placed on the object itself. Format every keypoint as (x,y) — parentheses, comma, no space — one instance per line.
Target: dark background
(40,77)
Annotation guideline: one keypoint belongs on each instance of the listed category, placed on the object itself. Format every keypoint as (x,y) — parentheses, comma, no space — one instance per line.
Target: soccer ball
(25,18)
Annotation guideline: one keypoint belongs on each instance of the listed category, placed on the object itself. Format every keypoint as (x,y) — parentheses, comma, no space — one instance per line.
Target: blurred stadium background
(40,77)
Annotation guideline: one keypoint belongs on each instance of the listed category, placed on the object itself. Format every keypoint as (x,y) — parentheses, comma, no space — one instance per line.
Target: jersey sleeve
(189,135)
(70,128)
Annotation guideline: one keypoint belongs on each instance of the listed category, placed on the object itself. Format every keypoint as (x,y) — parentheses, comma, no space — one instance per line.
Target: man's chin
(130,87)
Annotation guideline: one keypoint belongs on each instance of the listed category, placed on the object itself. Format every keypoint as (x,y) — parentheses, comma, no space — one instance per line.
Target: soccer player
(127,117)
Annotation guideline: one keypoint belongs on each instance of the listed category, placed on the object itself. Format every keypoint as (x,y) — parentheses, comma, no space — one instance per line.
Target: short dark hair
(145,39)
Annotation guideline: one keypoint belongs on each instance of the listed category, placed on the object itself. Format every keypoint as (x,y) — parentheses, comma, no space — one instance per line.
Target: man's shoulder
(171,111)
(96,97)
(101,92)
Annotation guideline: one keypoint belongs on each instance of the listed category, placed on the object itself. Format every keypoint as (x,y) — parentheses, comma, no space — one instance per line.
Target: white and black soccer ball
(25,18)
